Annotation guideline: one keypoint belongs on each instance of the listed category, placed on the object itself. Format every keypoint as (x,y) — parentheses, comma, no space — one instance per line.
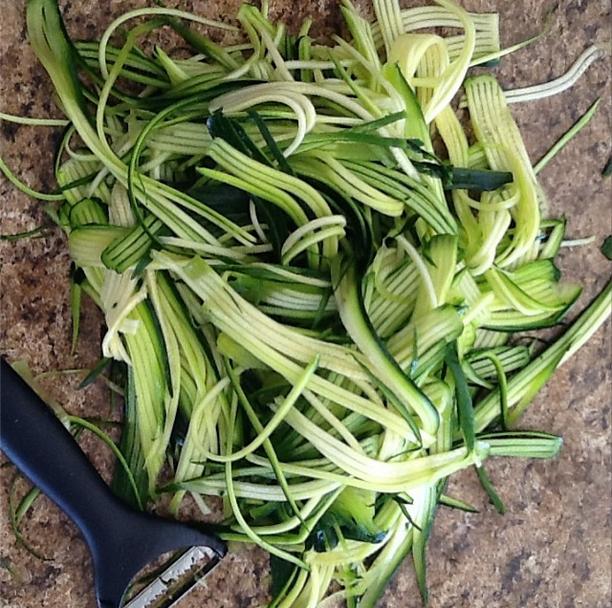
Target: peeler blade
(177,580)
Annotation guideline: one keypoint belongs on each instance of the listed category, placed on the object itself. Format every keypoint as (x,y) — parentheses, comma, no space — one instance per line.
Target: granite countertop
(552,549)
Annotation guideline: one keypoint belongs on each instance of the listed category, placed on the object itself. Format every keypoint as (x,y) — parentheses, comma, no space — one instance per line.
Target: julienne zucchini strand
(312,272)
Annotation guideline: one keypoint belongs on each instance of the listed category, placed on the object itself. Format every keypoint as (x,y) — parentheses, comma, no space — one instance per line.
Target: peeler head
(120,554)
(178,579)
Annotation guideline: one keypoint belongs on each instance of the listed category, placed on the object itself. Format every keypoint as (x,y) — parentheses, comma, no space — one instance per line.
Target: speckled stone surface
(552,549)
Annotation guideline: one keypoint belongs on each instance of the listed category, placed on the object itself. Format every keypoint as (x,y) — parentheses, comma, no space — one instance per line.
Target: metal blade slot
(177,580)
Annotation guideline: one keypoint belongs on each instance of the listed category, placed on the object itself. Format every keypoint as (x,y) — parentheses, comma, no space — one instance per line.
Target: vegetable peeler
(121,541)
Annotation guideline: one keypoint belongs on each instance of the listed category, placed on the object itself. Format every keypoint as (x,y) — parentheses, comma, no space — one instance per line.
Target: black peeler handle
(121,541)
(34,439)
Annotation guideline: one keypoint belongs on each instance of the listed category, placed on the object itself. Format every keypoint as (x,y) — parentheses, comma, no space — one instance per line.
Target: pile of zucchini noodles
(314,311)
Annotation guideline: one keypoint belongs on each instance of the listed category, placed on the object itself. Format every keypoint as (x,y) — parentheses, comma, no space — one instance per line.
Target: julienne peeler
(121,541)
